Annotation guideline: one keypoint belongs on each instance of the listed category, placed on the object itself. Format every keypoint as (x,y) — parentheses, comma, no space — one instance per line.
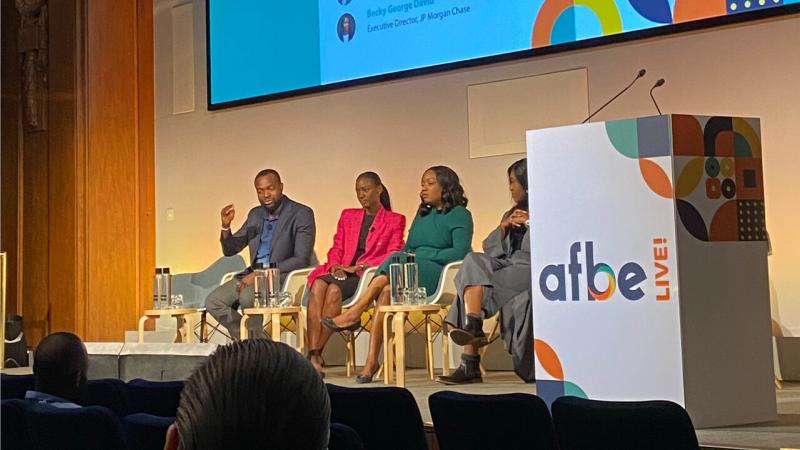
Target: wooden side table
(274,316)
(183,316)
(394,344)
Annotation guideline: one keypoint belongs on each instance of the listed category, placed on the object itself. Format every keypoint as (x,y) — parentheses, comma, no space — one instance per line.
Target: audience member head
(60,365)
(371,192)
(269,188)
(441,189)
(252,394)
(518,183)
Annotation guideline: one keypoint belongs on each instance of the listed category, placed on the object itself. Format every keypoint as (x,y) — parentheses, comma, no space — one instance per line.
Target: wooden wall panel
(86,182)
(35,235)
(115,248)
(9,142)
(62,182)
(147,154)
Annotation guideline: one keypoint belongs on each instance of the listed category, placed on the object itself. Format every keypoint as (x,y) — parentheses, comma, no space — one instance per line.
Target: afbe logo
(626,280)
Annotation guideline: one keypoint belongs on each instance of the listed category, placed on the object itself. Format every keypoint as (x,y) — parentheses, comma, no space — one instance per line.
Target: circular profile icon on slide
(346,27)
(344,2)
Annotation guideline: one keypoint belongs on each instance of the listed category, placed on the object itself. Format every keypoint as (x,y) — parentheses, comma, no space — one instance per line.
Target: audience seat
(109,392)
(159,398)
(88,428)
(386,418)
(14,425)
(508,421)
(343,437)
(15,386)
(146,431)
(591,424)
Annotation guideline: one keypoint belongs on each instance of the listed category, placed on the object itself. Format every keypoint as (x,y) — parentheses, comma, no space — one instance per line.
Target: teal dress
(437,239)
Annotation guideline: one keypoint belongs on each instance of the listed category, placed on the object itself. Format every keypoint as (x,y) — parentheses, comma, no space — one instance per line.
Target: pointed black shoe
(328,322)
(364,379)
(472,332)
(468,372)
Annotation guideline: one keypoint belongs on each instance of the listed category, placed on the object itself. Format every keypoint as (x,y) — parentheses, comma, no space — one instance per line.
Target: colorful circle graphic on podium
(606,294)
(720,191)
(549,390)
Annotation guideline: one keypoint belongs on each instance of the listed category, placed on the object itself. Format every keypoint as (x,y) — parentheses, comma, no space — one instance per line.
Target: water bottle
(411,272)
(166,288)
(273,283)
(259,286)
(157,288)
(396,280)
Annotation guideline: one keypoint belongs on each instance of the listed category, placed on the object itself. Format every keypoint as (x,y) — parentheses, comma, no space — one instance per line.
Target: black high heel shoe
(364,379)
(317,354)
(329,323)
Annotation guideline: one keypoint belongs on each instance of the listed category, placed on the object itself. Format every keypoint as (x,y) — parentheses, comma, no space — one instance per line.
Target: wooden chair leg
(301,332)
(243,327)
(400,347)
(189,324)
(778,383)
(388,350)
(203,327)
(492,336)
(445,349)
(276,327)
(142,321)
(429,346)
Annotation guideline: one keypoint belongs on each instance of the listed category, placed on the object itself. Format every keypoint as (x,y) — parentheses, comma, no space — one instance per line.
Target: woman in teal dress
(440,234)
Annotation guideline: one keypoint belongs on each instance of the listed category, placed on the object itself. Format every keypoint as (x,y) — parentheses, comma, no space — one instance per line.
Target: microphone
(658,84)
(638,75)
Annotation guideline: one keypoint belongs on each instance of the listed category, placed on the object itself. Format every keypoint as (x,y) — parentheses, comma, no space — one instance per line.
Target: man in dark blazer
(279,230)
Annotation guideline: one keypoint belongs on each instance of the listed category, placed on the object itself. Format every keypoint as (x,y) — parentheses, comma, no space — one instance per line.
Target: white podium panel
(648,280)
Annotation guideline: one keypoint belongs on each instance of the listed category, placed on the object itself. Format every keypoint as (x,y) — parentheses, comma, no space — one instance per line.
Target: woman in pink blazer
(364,238)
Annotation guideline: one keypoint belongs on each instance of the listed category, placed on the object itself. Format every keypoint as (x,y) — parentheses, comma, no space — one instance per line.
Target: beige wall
(205,160)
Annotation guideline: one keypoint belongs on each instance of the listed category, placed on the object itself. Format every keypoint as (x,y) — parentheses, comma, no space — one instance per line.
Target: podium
(649,265)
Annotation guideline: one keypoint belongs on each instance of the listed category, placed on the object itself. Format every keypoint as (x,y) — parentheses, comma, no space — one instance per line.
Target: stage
(781,434)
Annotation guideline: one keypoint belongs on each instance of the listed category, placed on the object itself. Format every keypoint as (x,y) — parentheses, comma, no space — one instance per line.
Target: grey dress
(506,277)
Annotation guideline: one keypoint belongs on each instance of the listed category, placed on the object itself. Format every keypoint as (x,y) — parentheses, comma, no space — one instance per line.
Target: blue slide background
(263,47)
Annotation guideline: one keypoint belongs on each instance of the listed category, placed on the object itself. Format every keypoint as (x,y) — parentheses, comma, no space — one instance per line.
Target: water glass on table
(177,301)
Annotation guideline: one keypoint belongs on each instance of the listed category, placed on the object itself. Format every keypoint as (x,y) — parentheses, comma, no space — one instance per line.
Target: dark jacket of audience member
(60,364)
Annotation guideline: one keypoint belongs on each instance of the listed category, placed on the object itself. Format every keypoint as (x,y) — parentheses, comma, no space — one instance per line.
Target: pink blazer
(385,237)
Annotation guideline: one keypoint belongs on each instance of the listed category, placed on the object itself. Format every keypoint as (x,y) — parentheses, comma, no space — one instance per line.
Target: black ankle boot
(468,372)
(472,332)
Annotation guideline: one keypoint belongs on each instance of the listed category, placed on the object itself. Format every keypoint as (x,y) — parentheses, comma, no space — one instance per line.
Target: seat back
(210,277)
(109,392)
(14,425)
(657,425)
(146,431)
(15,386)
(295,284)
(446,291)
(366,278)
(159,398)
(195,287)
(343,437)
(386,418)
(88,428)
(508,421)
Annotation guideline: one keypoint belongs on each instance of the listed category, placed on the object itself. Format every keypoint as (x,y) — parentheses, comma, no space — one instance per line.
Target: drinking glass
(420,296)
(177,301)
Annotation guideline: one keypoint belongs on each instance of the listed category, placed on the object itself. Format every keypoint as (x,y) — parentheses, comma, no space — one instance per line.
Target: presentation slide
(259,48)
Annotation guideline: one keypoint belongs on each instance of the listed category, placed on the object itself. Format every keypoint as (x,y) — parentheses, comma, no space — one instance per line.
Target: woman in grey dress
(495,281)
